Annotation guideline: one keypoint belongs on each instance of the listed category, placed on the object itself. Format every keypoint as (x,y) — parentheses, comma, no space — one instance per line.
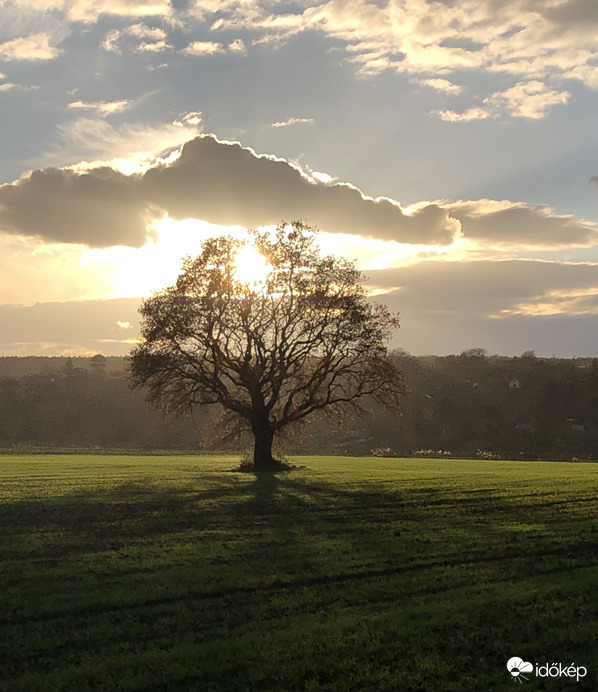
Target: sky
(450,147)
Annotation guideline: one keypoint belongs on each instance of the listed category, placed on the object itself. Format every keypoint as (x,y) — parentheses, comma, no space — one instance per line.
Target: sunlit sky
(450,147)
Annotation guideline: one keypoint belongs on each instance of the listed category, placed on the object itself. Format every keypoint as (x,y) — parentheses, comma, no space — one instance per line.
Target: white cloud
(191,118)
(34,47)
(203,48)
(473,113)
(237,46)
(531,99)
(92,10)
(293,121)
(213,48)
(532,41)
(153,47)
(322,177)
(440,85)
(88,142)
(139,38)
(110,42)
(101,107)
(528,100)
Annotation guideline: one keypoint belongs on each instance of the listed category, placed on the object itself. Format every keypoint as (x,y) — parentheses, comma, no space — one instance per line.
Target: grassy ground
(170,573)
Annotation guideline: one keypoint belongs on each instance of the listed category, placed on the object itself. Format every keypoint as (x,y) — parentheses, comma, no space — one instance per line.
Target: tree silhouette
(299,339)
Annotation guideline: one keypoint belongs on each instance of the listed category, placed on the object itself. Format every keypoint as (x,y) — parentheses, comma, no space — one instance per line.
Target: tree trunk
(262,450)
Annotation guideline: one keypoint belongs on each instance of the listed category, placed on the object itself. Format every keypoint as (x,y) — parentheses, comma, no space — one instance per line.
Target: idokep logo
(517,666)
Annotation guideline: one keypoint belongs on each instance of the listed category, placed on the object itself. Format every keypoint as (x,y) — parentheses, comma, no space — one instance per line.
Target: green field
(349,574)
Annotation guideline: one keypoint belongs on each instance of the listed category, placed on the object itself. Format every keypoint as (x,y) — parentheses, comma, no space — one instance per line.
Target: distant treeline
(472,404)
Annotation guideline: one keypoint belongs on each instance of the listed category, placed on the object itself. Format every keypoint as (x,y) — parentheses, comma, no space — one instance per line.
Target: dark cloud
(522,225)
(224,183)
(70,327)
(576,13)
(227,184)
(99,208)
(505,306)
(214,181)
(486,287)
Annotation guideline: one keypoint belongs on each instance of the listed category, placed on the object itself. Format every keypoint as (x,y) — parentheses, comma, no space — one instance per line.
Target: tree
(272,350)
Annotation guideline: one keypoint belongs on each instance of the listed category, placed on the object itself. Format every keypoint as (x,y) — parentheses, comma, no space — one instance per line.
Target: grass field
(171,573)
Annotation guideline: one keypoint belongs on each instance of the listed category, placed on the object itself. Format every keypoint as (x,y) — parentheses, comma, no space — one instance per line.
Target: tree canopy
(271,349)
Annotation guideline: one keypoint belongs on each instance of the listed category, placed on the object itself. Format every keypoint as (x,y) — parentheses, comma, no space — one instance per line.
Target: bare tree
(301,338)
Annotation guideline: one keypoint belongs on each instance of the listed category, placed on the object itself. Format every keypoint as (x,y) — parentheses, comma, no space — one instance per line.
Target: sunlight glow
(133,272)
(372,253)
(251,268)
(126,272)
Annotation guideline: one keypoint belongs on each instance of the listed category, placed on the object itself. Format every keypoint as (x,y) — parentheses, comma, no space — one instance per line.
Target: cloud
(213,48)
(293,121)
(528,42)
(557,302)
(203,48)
(91,10)
(29,48)
(101,107)
(219,182)
(70,327)
(505,306)
(99,208)
(129,148)
(527,100)
(440,85)
(531,99)
(226,184)
(532,42)
(237,46)
(473,113)
(504,224)
(492,288)
(139,38)
(191,118)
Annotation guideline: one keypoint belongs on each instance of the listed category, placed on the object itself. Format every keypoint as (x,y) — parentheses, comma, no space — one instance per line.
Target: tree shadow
(227,557)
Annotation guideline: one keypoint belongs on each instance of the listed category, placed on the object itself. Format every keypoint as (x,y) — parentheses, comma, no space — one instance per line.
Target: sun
(251,267)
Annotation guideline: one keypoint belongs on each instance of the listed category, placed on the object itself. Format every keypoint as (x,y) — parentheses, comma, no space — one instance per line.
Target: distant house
(514,384)
(98,364)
